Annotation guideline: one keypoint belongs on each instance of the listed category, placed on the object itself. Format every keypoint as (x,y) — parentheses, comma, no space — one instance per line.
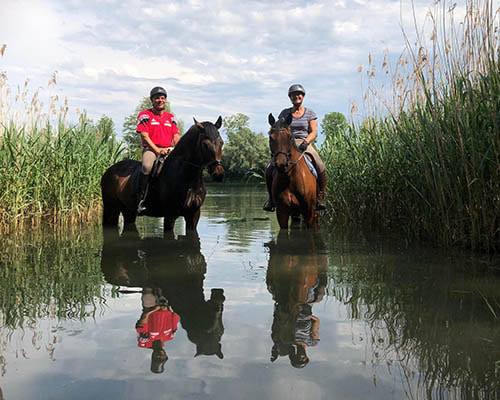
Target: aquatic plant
(49,169)
(427,159)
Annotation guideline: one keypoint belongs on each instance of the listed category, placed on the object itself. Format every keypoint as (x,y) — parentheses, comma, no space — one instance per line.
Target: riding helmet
(158,90)
(296,88)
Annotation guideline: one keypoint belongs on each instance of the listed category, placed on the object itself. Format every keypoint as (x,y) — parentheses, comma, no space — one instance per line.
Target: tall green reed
(49,169)
(427,160)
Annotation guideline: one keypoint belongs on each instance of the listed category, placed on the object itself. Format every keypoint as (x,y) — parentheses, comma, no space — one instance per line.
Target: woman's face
(296,98)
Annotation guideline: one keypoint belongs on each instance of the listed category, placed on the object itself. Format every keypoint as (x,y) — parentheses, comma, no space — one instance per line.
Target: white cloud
(210,56)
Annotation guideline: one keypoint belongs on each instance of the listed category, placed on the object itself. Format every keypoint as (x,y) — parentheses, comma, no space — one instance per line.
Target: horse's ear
(219,354)
(271,119)
(218,123)
(288,119)
(197,123)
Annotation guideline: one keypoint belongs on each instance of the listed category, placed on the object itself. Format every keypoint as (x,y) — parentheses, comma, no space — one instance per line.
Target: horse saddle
(158,165)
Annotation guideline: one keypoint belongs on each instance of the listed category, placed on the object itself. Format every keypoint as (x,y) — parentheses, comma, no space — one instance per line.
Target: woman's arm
(312,130)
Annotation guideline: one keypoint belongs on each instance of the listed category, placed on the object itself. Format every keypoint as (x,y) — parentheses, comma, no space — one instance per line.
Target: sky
(218,57)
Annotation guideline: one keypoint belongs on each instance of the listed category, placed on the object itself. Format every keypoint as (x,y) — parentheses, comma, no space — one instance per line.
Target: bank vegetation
(426,160)
(49,168)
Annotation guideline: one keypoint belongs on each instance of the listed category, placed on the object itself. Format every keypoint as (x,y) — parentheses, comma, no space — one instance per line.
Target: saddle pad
(310,165)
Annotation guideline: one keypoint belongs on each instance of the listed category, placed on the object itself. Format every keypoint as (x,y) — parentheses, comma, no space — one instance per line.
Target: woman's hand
(303,146)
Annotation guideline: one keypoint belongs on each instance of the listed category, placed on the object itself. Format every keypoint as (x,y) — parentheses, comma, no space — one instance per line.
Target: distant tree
(334,124)
(106,129)
(246,153)
(131,138)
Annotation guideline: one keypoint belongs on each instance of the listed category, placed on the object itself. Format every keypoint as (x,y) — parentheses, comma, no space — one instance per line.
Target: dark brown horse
(177,267)
(177,190)
(294,185)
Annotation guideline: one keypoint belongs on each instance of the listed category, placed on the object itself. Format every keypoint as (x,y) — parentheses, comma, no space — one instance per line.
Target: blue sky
(214,58)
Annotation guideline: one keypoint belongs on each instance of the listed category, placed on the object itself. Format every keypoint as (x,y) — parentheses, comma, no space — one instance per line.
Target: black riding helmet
(296,88)
(158,90)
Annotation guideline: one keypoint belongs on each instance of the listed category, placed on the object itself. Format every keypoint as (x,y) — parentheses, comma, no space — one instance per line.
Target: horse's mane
(189,139)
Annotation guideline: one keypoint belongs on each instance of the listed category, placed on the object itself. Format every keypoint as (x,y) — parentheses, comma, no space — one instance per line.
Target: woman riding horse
(293,186)
(303,127)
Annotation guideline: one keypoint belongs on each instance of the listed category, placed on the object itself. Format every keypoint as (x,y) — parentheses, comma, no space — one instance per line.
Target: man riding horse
(159,133)
(303,128)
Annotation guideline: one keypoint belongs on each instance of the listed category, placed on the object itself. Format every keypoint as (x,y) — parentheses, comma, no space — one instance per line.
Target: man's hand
(303,146)
(165,152)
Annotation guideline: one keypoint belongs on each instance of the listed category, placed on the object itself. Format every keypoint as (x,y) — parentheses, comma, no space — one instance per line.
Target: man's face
(159,102)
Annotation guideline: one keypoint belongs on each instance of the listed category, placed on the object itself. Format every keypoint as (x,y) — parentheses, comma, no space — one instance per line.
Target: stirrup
(320,206)
(268,206)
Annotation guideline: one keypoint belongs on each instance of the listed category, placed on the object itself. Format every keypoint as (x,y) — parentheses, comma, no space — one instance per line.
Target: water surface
(263,314)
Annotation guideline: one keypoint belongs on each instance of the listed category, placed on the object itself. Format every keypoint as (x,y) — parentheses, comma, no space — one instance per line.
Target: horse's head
(210,147)
(280,141)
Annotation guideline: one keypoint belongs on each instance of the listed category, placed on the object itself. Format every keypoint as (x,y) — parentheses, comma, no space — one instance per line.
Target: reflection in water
(157,325)
(437,316)
(52,276)
(296,277)
(171,272)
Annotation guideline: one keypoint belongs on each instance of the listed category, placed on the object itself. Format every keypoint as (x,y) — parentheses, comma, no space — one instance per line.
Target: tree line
(246,153)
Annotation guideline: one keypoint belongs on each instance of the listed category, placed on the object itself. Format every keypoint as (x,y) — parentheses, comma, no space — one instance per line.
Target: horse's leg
(192,220)
(295,223)
(282,216)
(168,224)
(310,217)
(110,213)
(129,216)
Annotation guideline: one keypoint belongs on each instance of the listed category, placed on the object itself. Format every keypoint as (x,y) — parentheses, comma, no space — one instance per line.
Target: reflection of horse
(294,185)
(177,268)
(177,190)
(296,278)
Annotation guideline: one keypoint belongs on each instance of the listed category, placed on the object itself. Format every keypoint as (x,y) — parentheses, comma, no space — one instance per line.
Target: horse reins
(203,166)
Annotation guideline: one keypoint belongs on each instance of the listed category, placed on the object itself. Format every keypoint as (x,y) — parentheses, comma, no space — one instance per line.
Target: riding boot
(269,204)
(144,186)
(320,200)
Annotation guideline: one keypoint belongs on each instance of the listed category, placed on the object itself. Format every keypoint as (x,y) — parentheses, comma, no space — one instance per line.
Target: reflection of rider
(303,128)
(297,279)
(294,329)
(306,334)
(158,129)
(157,325)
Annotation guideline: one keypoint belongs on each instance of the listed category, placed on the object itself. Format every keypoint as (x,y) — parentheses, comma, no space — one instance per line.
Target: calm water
(262,315)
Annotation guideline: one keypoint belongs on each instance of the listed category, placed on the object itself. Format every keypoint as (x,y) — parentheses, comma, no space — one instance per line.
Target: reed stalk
(428,162)
(49,169)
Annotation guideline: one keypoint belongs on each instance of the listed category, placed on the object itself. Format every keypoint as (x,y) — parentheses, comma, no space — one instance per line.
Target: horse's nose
(281,167)
(218,173)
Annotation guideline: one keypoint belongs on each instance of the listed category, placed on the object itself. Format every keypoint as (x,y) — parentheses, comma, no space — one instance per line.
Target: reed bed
(427,159)
(49,169)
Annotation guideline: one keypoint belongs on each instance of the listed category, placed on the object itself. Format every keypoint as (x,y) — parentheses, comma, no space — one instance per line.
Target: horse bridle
(288,155)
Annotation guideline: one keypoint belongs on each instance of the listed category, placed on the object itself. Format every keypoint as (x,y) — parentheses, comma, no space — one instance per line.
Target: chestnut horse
(294,185)
(177,189)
